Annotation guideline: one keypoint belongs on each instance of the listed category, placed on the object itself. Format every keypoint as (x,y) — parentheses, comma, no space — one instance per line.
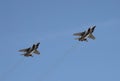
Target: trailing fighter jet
(29,51)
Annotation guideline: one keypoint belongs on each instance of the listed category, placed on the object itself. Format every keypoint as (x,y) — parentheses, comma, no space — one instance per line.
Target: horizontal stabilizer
(91,36)
(36,52)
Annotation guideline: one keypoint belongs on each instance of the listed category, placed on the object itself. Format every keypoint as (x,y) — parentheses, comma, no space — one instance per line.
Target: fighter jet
(86,34)
(29,51)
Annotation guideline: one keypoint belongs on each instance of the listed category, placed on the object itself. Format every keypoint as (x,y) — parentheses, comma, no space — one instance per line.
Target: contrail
(13,68)
(59,61)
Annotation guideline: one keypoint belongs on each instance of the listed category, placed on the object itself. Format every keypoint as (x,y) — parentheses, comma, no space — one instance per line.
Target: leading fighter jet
(86,34)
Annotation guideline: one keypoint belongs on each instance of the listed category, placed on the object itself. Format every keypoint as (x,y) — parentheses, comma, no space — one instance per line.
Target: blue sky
(52,23)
